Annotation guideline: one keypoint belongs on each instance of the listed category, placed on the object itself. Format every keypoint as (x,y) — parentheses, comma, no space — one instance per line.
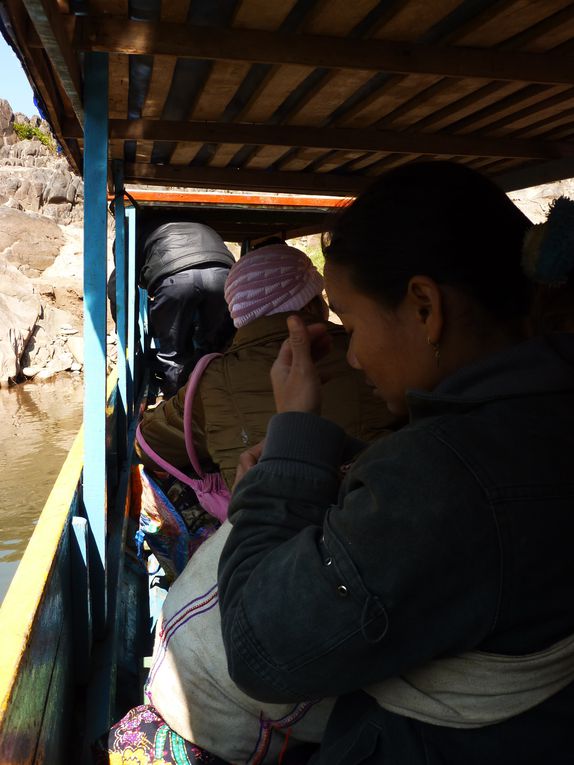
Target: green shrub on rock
(24,132)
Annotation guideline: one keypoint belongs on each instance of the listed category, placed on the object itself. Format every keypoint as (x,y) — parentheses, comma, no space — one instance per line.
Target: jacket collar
(269,328)
(543,364)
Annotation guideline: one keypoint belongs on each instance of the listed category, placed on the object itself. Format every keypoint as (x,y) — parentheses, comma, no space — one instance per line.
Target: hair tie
(548,249)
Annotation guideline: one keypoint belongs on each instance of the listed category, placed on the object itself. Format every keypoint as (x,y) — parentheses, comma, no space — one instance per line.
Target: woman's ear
(425,298)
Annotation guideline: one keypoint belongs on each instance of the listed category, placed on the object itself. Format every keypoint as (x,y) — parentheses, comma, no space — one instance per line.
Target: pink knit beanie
(270,280)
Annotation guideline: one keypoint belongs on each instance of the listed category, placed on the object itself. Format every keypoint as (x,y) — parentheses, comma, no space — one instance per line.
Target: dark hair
(441,220)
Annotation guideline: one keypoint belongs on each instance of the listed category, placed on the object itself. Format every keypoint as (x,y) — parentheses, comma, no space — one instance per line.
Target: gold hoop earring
(436,349)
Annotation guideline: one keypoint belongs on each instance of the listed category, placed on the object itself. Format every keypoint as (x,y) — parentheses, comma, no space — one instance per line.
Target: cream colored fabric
(476,689)
(189,684)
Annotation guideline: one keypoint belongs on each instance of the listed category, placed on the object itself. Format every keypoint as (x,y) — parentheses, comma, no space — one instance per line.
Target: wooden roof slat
(338,17)
(222,154)
(517,17)
(336,161)
(312,87)
(116,149)
(184,153)
(301,160)
(144,151)
(386,163)
(161,78)
(120,80)
(481,16)
(54,30)
(551,105)
(443,89)
(191,75)
(498,166)
(445,28)
(389,98)
(222,83)
(266,157)
(465,105)
(362,162)
(527,37)
(336,138)
(547,34)
(259,75)
(412,21)
(262,14)
(548,126)
(534,174)
(322,79)
(111,34)
(489,116)
(174,10)
(281,82)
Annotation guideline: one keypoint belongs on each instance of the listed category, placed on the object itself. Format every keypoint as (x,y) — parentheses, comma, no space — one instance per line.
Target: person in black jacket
(432,588)
(184,267)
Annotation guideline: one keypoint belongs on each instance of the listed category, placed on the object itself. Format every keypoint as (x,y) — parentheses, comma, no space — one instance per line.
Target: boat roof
(308,96)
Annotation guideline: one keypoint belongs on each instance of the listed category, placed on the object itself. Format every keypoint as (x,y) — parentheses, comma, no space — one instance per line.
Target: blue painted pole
(95,248)
(144,337)
(82,622)
(132,315)
(121,312)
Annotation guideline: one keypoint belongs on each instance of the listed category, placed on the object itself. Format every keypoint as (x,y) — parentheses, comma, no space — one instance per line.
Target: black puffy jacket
(177,246)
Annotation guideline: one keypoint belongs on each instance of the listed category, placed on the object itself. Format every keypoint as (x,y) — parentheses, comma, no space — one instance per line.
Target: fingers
(294,377)
(307,342)
(299,340)
(247,460)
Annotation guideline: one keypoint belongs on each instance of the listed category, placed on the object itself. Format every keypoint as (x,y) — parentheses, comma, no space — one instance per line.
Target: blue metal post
(132,317)
(144,336)
(95,247)
(121,279)
(82,623)
(121,312)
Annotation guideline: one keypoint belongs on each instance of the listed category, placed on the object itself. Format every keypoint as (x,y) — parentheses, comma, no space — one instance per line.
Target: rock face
(40,259)
(30,241)
(38,339)
(535,201)
(20,309)
(34,177)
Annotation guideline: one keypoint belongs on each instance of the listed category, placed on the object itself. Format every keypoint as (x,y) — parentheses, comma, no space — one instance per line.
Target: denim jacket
(455,533)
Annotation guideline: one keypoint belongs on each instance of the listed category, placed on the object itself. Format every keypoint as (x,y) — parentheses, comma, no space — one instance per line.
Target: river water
(38,423)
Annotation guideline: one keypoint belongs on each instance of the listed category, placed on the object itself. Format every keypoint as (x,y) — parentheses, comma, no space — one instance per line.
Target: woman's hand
(247,460)
(294,377)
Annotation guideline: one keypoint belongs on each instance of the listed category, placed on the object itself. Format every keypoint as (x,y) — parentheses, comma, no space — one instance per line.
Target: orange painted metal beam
(230,198)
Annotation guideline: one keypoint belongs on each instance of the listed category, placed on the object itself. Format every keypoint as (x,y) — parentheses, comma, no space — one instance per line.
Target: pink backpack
(210,488)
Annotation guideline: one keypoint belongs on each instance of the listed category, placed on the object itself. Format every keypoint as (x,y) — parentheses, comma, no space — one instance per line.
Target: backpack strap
(164,464)
(192,384)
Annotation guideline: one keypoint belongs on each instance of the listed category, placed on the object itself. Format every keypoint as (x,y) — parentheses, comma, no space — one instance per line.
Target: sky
(14,85)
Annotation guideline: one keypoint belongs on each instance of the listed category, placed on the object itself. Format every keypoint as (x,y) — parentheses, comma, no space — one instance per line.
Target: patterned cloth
(143,738)
(171,521)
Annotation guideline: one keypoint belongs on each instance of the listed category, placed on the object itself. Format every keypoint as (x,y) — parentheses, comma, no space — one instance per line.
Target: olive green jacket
(234,400)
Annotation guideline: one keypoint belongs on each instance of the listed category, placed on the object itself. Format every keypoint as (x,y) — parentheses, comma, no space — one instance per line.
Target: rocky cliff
(33,175)
(41,210)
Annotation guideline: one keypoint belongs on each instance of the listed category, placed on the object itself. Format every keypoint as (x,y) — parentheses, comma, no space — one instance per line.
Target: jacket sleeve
(322,594)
